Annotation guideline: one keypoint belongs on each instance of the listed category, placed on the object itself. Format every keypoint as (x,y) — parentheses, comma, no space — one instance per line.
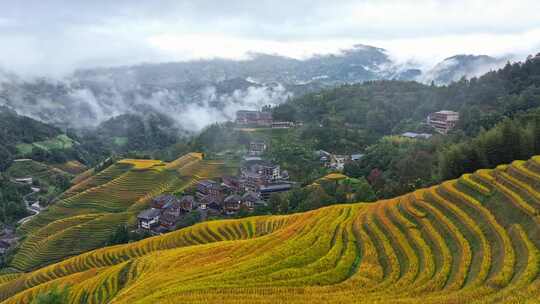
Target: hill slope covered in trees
(475,239)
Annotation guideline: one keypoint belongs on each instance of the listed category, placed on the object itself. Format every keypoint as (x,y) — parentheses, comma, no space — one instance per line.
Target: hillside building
(443,121)
(149,218)
(254,118)
(282,124)
(187,203)
(416,135)
(257,148)
(256,173)
(163,201)
(210,189)
(232,204)
(267,190)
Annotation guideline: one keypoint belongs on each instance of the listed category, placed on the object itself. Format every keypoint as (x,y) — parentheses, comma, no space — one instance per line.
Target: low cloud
(83,106)
(213,107)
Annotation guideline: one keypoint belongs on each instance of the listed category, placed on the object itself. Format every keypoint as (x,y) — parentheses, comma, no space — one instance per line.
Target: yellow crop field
(89,212)
(475,239)
(334,176)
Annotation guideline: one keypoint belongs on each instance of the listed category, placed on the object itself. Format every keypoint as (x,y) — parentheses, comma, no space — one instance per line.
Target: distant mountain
(197,93)
(456,67)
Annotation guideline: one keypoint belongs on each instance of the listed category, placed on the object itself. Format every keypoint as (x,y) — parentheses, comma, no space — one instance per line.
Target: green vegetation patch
(60,142)
(120,141)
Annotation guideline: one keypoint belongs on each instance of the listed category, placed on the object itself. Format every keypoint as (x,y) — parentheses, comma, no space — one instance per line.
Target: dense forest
(16,129)
(497,112)
(349,118)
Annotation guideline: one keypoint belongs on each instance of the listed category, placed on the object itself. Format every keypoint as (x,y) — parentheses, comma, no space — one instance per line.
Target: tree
(363,192)
(56,295)
(5,158)
(296,197)
(119,236)
(536,134)
(316,198)
(284,112)
(278,203)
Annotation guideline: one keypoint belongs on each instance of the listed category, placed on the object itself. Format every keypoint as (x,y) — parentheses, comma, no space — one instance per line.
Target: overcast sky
(53,37)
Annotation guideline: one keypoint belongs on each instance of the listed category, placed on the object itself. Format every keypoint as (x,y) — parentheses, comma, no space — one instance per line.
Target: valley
(269,152)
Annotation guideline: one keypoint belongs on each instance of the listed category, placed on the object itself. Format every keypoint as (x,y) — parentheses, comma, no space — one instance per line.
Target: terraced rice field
(471,240)
(89,212)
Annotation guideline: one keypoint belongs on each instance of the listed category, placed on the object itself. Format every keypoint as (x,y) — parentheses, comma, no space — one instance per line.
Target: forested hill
(361,113)
(16,129)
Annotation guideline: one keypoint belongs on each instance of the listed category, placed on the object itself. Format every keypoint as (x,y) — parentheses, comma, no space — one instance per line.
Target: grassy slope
(47,175)
(73,167)
(471,240)
(61,141)
(91,210)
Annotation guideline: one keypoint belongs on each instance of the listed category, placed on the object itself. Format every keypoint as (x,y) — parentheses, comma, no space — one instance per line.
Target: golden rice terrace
(89,212)
(471,240)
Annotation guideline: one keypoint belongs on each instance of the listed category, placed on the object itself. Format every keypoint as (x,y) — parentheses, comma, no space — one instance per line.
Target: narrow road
(32,206)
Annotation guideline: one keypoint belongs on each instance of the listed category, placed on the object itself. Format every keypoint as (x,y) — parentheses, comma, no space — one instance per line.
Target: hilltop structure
(261,119)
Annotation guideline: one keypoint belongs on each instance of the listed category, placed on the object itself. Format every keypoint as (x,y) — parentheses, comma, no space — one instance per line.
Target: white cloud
(430,50)
(58,36)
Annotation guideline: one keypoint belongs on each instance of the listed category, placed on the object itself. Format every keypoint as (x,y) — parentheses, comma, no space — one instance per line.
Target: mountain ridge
(213,89)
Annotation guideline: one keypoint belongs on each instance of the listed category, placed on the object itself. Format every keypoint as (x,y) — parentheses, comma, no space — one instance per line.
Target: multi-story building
(257,148)
(254,118)
(149,218)
(443,121)
(209,188)
(260,169)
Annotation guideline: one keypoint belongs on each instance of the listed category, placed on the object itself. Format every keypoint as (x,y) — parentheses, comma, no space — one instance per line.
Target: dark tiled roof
(167,217)
(233,198)
(164,201)
(275,187)
(188,198)
(250,196)
(207,183)
(165,197)
(148,214)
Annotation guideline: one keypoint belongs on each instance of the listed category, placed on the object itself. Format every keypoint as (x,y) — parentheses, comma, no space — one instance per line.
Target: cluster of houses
(257,181)
(336,161)
(259,177)
(261,119)
(165,212)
